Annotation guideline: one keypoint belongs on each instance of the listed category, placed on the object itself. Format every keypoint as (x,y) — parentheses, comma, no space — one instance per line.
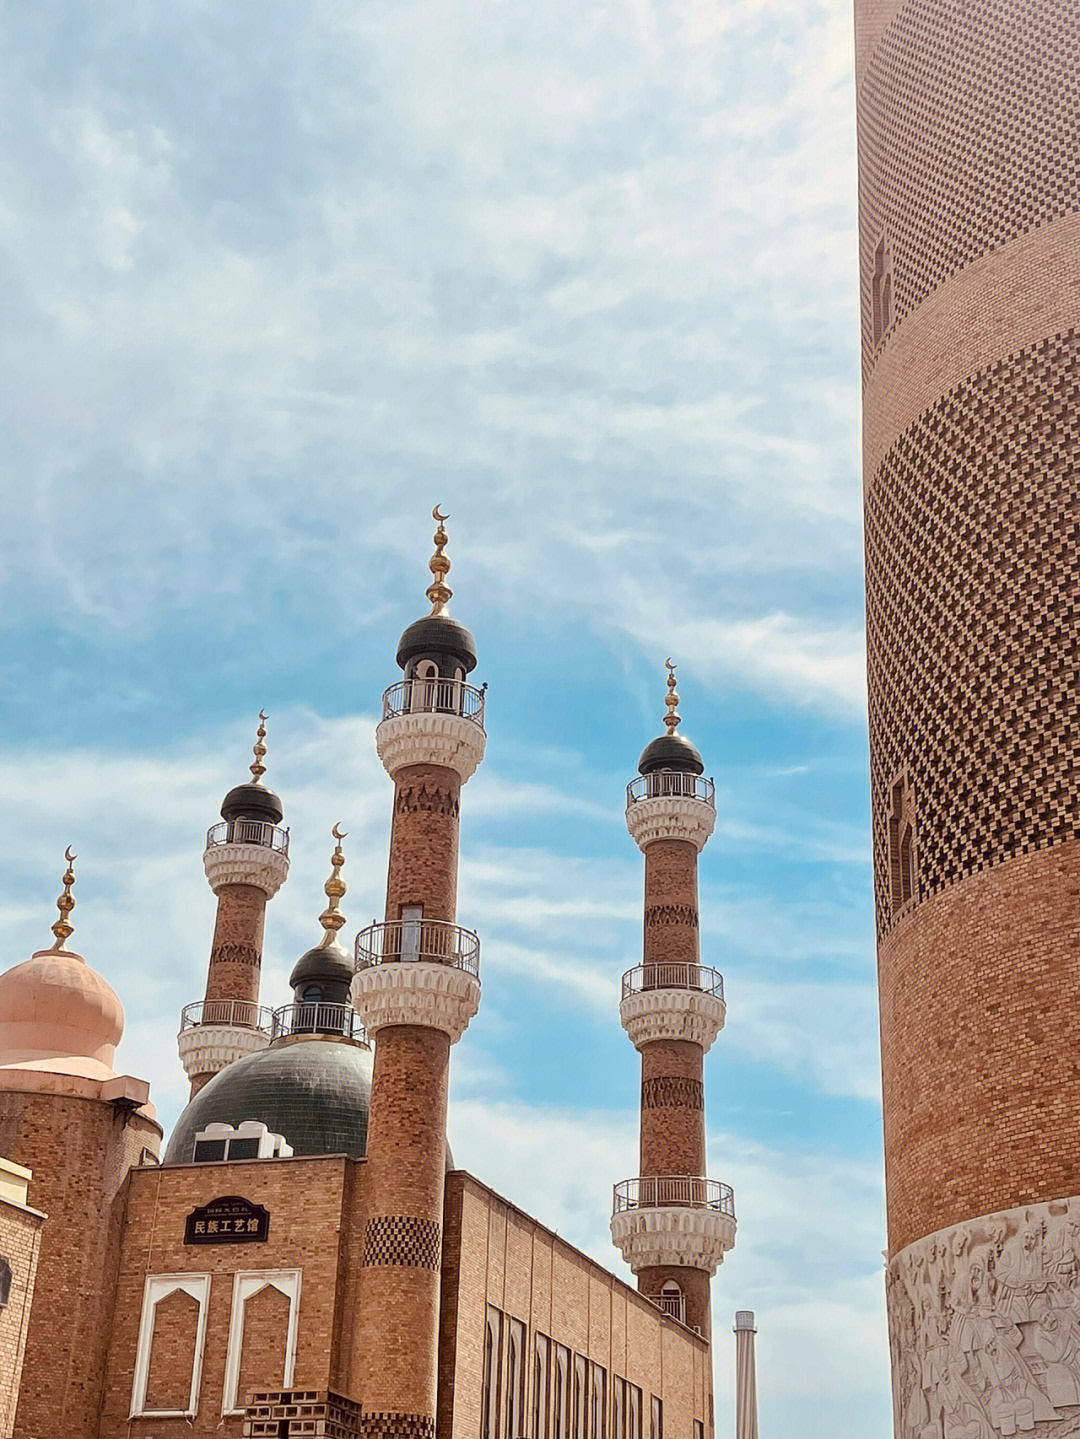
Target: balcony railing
(243,1013)
(676,1190)
(249,831)
(671,1304)
(313,1018)
(432,940)
(673,976)
(435,696)
(667,783)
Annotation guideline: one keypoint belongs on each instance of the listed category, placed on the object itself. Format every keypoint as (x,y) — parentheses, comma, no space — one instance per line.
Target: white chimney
(745,1376)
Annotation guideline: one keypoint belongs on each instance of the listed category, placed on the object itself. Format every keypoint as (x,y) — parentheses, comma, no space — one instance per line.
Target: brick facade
(236,950)
(20,1239)
(424,842)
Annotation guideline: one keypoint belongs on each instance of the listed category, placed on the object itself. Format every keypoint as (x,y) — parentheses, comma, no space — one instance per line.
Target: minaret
(246,862)
(672,1224)
(746,1415)
(416,988)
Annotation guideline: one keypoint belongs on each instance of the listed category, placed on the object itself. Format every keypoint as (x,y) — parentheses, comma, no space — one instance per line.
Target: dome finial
(65,904)
(439,592)
(671,699)
(331,918)
(258,769)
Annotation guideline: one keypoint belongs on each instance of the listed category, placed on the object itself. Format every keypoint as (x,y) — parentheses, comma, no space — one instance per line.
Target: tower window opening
(903,870)
(5,1283)
(491,1379)
(411,917)
(881,293)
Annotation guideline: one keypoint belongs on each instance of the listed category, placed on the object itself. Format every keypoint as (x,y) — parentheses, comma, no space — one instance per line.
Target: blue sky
(280,277)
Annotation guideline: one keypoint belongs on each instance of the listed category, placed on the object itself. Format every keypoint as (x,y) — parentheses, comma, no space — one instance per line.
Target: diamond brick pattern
(672,1092)
(401,1239)
(968,117)
(659,915)
(397,1426)
(973,620)
(308,1414)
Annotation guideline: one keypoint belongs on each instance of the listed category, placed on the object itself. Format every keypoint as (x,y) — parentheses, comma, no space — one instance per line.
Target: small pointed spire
(258,769)
(439,592)
(331,918)
(65,903)
(672,719)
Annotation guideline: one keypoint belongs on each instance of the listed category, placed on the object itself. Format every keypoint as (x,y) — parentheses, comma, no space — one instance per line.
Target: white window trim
(157,1288)
(246,1284)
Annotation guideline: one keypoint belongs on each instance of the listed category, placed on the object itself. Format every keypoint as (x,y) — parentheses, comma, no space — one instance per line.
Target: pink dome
(57,1014)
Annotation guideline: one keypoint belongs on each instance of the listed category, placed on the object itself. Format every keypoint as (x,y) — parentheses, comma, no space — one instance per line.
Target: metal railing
(249,831)
(668,783)
(318,1018)
(432,940)
(673,976)
(244,1013)
(673,1305)
(679,1191)
(435,696)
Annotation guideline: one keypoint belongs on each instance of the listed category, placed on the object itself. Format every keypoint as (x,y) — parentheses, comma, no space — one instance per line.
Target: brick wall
(236,951)
(424,841)
(20,1231)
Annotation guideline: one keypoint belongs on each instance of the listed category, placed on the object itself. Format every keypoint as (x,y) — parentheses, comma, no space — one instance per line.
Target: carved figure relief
(984,1327)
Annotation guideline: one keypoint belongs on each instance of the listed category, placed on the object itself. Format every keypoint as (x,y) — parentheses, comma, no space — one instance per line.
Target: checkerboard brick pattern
(397,1426)
(402,1239)
(968,117)
(973,618)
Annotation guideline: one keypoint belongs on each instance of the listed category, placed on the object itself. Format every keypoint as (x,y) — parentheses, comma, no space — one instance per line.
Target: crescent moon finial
(63,929)
(71,858)
(439,592)
(671,699)
(258,749)
(338,832)
(436,515)
(331,918)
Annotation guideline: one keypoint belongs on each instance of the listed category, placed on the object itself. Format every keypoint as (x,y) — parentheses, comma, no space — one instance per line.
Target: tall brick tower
(416,988)
(246,862)
(969,196)
(68,1116)
(672,1224)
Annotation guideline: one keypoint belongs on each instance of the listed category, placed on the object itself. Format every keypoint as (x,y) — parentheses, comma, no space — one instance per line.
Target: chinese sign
(231,1220)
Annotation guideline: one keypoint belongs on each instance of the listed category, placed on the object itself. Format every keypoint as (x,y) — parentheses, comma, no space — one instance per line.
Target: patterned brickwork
(973,619)
(306,1414)
(670,1092)
(236,950)
(428,799)
(968,116)
(231,953)
(401,1239)
(671,894)
(662,914)
(424,842)
(397,1426)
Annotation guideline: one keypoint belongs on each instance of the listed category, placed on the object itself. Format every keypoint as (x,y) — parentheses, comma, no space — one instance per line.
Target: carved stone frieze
(670,817)
(437,996)
(691,1237)
(254,864)
(431,738)
(984,1327)
(208,1048)
(672,1014)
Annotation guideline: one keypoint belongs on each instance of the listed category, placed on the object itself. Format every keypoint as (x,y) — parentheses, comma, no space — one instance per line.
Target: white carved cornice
(435,996)
(673,1014)
(208,1048)
(428,737)
(690,1237)
(254,864)
(670,817)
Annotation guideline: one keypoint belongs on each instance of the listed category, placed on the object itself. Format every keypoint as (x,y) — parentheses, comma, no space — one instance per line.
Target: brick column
(424,842)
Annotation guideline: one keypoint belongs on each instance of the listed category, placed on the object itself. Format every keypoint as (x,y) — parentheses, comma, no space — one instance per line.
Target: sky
(278,279)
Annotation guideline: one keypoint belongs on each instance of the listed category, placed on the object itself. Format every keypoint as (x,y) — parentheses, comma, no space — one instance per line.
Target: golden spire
(65,904)
(331,918)
(671,699)
(439,592)
(258,769)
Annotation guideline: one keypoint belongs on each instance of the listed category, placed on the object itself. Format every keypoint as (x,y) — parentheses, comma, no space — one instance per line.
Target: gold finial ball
(65,902)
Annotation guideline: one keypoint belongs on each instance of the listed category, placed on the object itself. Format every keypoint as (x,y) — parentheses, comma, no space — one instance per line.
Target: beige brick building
(303,1259)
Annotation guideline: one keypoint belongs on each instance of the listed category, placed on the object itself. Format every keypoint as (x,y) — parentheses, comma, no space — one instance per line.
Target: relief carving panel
(984,1327)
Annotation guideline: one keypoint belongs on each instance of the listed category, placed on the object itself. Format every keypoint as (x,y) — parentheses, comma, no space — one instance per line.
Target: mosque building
(304,1258)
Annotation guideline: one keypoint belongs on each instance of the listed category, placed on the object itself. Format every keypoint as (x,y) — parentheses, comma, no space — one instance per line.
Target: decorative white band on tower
(209,1048)
(254,864)
(431,738)
(690,1237)
(689,1014)
(435,996)
(670,817)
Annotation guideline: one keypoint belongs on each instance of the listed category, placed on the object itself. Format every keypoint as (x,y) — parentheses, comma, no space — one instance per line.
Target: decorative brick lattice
(670,1092)
(400,1239)
(973,619)
(397,1426)
(422,799)
(233,952)
(308,1414)
(968,117)
(658,915)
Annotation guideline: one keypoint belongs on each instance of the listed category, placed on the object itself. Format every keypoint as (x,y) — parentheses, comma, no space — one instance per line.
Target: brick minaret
(672,1224)
(246,863)
(416,988)
(969,198)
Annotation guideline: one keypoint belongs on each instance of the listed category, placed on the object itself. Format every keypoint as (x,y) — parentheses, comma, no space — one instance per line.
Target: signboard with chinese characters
(231,1220)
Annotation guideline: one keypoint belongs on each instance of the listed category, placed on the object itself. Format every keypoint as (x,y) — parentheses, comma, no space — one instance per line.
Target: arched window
(672,1301)
(512,1418)
(425,677)
(5,1282)
(490,1390)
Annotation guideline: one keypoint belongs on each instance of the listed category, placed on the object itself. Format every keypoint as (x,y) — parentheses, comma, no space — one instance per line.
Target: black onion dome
(330,966)
(315,1092)
(437,637)
(252,801)
(671,751)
